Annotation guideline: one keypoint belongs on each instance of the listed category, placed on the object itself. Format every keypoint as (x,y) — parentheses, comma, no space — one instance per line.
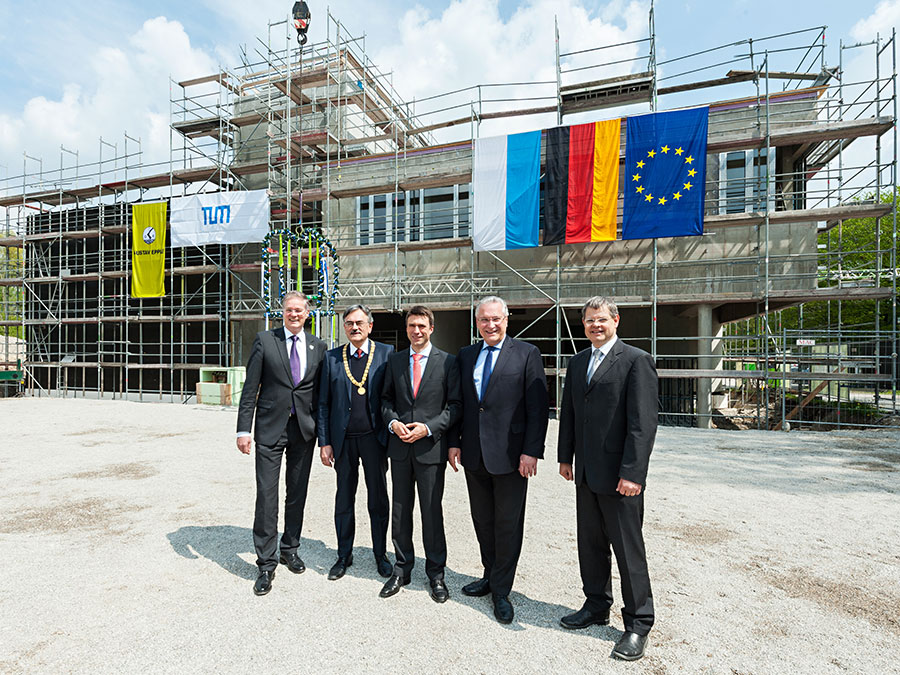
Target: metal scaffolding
(794,156)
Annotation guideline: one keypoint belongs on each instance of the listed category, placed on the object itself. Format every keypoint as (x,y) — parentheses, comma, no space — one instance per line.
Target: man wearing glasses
(498,442)
(351,430)
(281,389)
(607,424)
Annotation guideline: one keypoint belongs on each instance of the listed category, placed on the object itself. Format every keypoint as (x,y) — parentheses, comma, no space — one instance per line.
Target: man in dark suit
(608,423)
(281,389)
(420,403)
(499,441)
(351,431)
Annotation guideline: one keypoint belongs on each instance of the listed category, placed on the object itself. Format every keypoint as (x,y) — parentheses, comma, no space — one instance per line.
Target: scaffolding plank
(767,375)
(775,75)
(216,77)
(826,214)
(799,134)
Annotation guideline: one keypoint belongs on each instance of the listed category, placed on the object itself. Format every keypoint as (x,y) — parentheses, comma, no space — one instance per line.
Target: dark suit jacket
(334,396)
(512,418)
(609,423)
(269,389)
(437,405)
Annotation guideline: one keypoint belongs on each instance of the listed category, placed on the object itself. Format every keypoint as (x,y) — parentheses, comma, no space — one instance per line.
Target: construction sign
(148,250)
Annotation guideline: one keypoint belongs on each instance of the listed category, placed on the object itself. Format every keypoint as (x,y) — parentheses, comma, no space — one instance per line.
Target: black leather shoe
(264,582)
(339,568)
(385,568)
(583,618)
(630,646)
(503,609)
(439,592)
(293,562)
(478,588)
(393,586)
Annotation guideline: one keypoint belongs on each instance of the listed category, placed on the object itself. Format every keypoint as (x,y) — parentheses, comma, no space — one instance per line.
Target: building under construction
(795,153)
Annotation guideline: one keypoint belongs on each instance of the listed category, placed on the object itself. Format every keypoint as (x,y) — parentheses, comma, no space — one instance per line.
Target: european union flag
(665,174)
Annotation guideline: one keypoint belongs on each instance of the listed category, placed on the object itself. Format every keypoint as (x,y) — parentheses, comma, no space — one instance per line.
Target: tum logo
(215,215)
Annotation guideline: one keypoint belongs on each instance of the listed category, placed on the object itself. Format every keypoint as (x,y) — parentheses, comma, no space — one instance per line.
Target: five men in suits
(489,404)
(499,441)
(281,392)
(608,424)
(420,404)
(351,430)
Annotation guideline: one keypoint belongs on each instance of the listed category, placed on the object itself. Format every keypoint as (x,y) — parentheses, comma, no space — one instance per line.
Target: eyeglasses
(490,319)
(591,322)
(295,311)
(351,324)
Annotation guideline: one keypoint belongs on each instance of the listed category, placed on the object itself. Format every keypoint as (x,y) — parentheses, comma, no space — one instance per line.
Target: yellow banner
(148,250)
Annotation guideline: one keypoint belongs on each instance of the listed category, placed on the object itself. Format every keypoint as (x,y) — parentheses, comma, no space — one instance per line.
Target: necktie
(295,361)
(596,358)
(359,353)
(486,372)
(417,373)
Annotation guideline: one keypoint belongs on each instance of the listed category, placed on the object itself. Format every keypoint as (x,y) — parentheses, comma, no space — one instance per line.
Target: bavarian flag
(148,250)
(665,174)
(582,183)
(506,175)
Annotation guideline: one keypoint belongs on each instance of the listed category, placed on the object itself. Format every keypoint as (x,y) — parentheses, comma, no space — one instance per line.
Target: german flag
(582,183)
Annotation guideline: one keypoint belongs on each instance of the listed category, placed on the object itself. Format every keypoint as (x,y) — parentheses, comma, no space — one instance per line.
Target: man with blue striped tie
(498,442)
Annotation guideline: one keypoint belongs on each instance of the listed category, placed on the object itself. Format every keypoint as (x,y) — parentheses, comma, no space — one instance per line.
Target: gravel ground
(125,532)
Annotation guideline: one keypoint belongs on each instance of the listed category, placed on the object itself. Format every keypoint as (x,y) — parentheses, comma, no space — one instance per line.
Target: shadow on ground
(225,544)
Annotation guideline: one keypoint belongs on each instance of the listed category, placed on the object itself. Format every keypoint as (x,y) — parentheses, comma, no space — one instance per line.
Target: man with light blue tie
(281,392)
(498,442)
(607,427)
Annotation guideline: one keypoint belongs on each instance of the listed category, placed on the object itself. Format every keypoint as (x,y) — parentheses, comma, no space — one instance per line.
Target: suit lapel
(404,372)
(281,345)
(606,363)
(347,383)
(432,363)
(474,351)
(312,356)
(500,362)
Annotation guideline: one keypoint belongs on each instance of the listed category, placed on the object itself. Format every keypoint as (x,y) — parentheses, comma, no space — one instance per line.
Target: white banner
(220,218)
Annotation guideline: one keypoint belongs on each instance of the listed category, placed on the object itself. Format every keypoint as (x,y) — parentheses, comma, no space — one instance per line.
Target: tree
(850,252)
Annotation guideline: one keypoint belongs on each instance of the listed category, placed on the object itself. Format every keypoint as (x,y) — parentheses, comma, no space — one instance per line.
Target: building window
(414,215)
(742,181)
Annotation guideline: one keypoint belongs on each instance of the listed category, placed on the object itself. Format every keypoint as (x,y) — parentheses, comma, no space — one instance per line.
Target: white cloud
(121,88)
(469,43)
(885,17)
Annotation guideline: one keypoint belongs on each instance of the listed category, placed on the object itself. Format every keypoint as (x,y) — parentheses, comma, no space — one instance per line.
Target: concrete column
(704,362)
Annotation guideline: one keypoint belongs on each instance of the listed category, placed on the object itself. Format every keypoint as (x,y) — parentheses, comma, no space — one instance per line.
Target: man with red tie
(420,402)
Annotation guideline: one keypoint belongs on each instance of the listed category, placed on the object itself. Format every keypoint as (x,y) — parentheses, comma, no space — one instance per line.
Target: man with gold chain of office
(351,431)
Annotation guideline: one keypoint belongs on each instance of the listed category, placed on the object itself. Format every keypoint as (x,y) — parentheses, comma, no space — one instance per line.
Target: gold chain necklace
(360,389)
